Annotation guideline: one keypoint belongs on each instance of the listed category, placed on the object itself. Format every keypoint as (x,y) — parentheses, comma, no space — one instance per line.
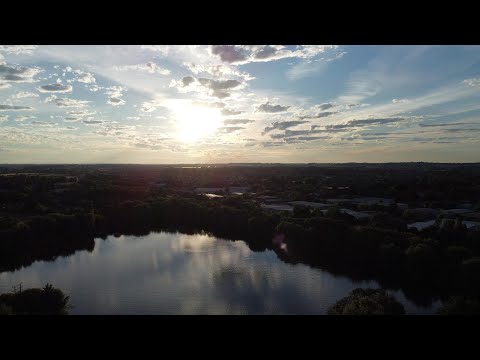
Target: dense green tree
(460,305)
(48,300)
(367,302)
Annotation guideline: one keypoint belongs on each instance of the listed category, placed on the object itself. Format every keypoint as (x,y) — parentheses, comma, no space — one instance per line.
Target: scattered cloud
(306,69)
(15,107)
(283,125)
(445,124)
(57,88)
(228,112)
(150,67)
(92,122)
(19,74)
(220,88)
(150,106)
(242,54)
(472,81)
(85,77)
(65,102)
(115,94)
(81,113)
(230,53)
(270,108)
(187,80)
(23,94)
(71,118)
(366,122)
(237,121)
(95,88)
(115,101)
(23,117)
(300,139)
(18,49)
(350,106)
(161,49)
(230,129)
(461,130)
(218,71)
(217,105)
(325,106)
(319,115)
(43,123)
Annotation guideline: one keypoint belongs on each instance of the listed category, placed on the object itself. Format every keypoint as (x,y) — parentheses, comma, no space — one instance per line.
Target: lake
(173,273)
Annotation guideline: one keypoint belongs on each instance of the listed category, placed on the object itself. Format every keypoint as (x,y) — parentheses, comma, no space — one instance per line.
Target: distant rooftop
(421,225)
(277,207)
(207,190)
(310,203)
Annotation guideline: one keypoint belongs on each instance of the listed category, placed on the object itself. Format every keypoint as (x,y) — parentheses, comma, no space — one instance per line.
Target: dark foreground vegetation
(50,211)
(367,302)
(378,302)
(45,301)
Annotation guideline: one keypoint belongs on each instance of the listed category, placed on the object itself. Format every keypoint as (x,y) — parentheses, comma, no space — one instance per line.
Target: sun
(195,122)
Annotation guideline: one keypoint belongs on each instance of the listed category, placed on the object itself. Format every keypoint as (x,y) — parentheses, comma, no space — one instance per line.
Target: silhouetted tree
(367,302)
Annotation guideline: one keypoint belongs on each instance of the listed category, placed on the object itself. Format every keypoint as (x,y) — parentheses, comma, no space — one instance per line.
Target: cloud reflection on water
(173,273)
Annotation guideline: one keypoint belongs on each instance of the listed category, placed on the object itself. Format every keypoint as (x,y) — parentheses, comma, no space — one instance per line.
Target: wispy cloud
(14,107)
(149,67)
(283,125)
(271,108)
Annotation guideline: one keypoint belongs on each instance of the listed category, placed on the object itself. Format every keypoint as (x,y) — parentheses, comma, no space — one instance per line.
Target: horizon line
(253,163)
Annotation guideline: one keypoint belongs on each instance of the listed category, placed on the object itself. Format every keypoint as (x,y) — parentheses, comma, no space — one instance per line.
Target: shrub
(367,302)
(460,305)
(48,300)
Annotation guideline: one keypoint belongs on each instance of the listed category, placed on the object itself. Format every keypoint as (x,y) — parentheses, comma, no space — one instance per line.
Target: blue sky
(239,103)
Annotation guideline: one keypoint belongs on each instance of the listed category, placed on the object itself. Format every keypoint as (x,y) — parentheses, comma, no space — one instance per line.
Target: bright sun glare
(196,122)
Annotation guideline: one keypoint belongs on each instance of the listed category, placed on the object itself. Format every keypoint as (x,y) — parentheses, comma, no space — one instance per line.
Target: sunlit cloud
(18,74)
(237,121)
(23,117)
(23,94)
(18,49)
(66,102)
(271,108)
(115,94)
(283,125)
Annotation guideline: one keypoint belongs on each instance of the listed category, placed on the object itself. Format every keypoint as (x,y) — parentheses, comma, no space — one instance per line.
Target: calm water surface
(173,273)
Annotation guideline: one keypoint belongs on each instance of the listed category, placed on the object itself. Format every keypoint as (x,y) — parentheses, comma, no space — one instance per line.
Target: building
(208,190)
(339,201)
(421,225)
(402,206)
(454,212)
(315,205)
(213,196)
(238,190)
(277,207)
(423,213)
(269,199)
(373,201)
(358,215)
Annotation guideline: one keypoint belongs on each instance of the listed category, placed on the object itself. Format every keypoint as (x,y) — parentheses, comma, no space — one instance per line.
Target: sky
(239,103)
